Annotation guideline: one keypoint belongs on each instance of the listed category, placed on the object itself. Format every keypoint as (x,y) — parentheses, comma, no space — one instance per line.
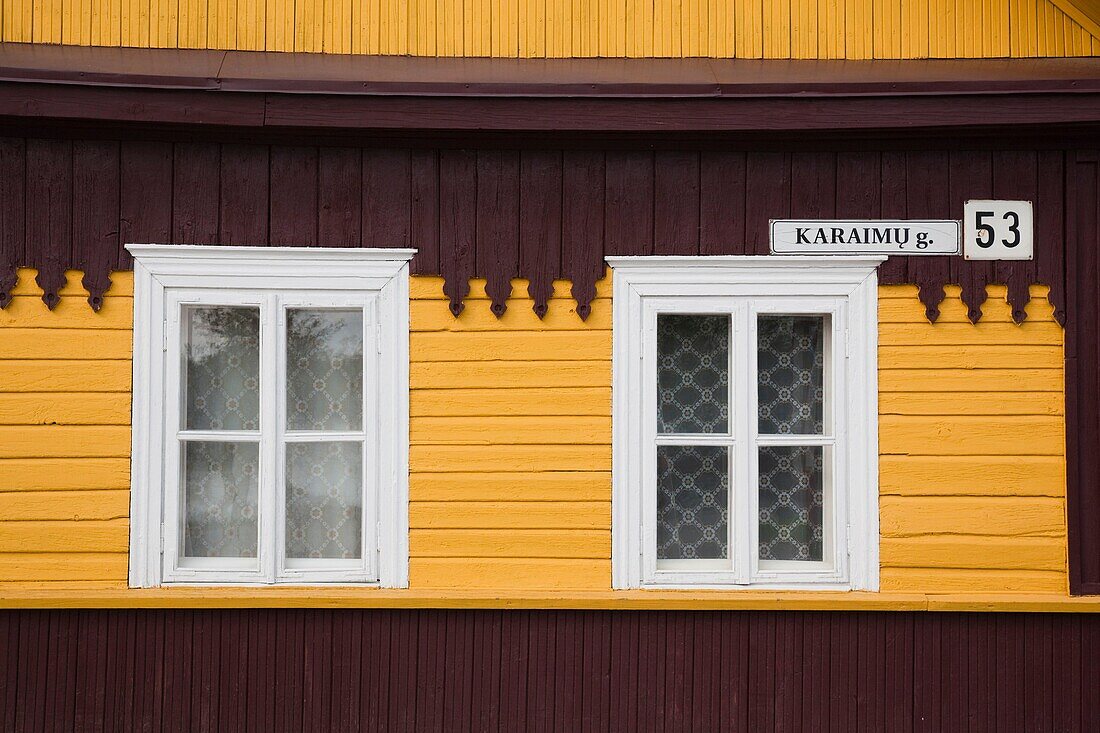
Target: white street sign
(864,236)
(998,230)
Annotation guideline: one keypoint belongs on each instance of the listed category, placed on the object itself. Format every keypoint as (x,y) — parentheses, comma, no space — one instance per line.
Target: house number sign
(998,230)
(864,236)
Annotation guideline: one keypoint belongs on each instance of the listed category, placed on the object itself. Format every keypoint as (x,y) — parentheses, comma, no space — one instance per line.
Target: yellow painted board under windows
(800,29)
(510,460)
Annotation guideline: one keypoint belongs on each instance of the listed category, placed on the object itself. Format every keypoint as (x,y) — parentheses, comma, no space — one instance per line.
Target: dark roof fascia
(373,93)
(309,73)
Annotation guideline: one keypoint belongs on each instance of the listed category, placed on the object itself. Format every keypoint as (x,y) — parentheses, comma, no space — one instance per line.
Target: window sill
(64,595)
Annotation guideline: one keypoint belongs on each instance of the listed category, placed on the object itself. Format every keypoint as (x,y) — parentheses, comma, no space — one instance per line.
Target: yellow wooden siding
(972,447)
(802,29)
(510,459)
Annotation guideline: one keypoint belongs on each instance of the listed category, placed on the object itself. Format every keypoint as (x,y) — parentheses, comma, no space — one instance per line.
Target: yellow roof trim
(1085,12)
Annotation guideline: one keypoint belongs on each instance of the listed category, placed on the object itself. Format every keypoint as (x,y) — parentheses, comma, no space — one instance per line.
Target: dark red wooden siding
(556,212)
(497,213)
(1083,374)
(352,670)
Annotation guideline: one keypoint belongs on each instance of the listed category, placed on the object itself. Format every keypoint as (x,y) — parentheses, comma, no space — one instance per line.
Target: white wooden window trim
(844,289)
(272,279)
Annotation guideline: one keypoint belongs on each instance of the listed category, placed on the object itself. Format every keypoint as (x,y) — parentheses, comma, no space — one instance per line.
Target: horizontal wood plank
(65,505)
(64,441)
(525,486)
(517,543)
(35,375)
(65,537)
(510,515)
(943,580)
(64,474)
(591,401)
(1010,516)
(995,475)
(523,430)
(970,357)
(1036,435)
(91,566)
(501,346)
(471,574)
(527,373)
(971,403)
(964,551)
(64,408)
(977,380)
(65,343)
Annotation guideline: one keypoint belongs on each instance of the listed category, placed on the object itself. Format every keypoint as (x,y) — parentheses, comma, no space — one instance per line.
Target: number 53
(986,233)
(998,230)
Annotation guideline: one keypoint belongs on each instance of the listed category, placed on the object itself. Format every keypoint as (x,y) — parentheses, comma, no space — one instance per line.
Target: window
(745,434)
(270,416)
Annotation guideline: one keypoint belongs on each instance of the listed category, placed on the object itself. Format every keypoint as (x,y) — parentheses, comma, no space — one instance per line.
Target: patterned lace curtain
(324,403)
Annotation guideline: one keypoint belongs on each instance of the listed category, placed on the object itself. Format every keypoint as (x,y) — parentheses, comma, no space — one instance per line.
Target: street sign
(864,236)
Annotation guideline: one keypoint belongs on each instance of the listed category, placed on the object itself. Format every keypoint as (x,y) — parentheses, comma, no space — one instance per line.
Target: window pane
(324,369)
(791,502)
(324,500)
(220,489)
(692,502)
(222,351)
(692,374)
(790,374)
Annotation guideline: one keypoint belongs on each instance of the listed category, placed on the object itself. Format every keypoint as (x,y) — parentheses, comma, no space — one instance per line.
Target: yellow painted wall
(511,457)
(853,29)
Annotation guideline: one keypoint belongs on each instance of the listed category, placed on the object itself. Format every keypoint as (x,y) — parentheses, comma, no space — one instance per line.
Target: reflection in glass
(692,502)
(222,368)
(324,369)
(324,500)
(220,487)
(692,374)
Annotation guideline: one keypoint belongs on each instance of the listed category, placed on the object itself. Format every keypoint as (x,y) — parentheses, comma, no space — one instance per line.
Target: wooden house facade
(426,366)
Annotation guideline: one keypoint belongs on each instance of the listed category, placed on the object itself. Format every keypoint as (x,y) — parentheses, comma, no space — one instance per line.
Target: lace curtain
(324,395)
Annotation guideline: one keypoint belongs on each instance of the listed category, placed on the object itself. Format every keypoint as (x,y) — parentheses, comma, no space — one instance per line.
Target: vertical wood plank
(13,171)
(1015,177)
(145,196)
(1050,235)
(893,199)
(425,212)
(813,185)
(722,191)
(540,224)
(196,193)
(243,213)
(387,198)
(676,203)
(927,198)
(339,197)
(768,196)
(49,213)
(294,197)
(628,201)
(457,224)
(970,175)
(498,224)
(582,237)
(96,182)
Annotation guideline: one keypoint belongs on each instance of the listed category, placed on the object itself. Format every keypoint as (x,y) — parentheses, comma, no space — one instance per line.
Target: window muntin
(274,482)
(733,459)
(278,452)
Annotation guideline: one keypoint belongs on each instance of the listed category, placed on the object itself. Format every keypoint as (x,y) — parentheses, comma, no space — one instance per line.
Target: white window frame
(843,288)
(168,277)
